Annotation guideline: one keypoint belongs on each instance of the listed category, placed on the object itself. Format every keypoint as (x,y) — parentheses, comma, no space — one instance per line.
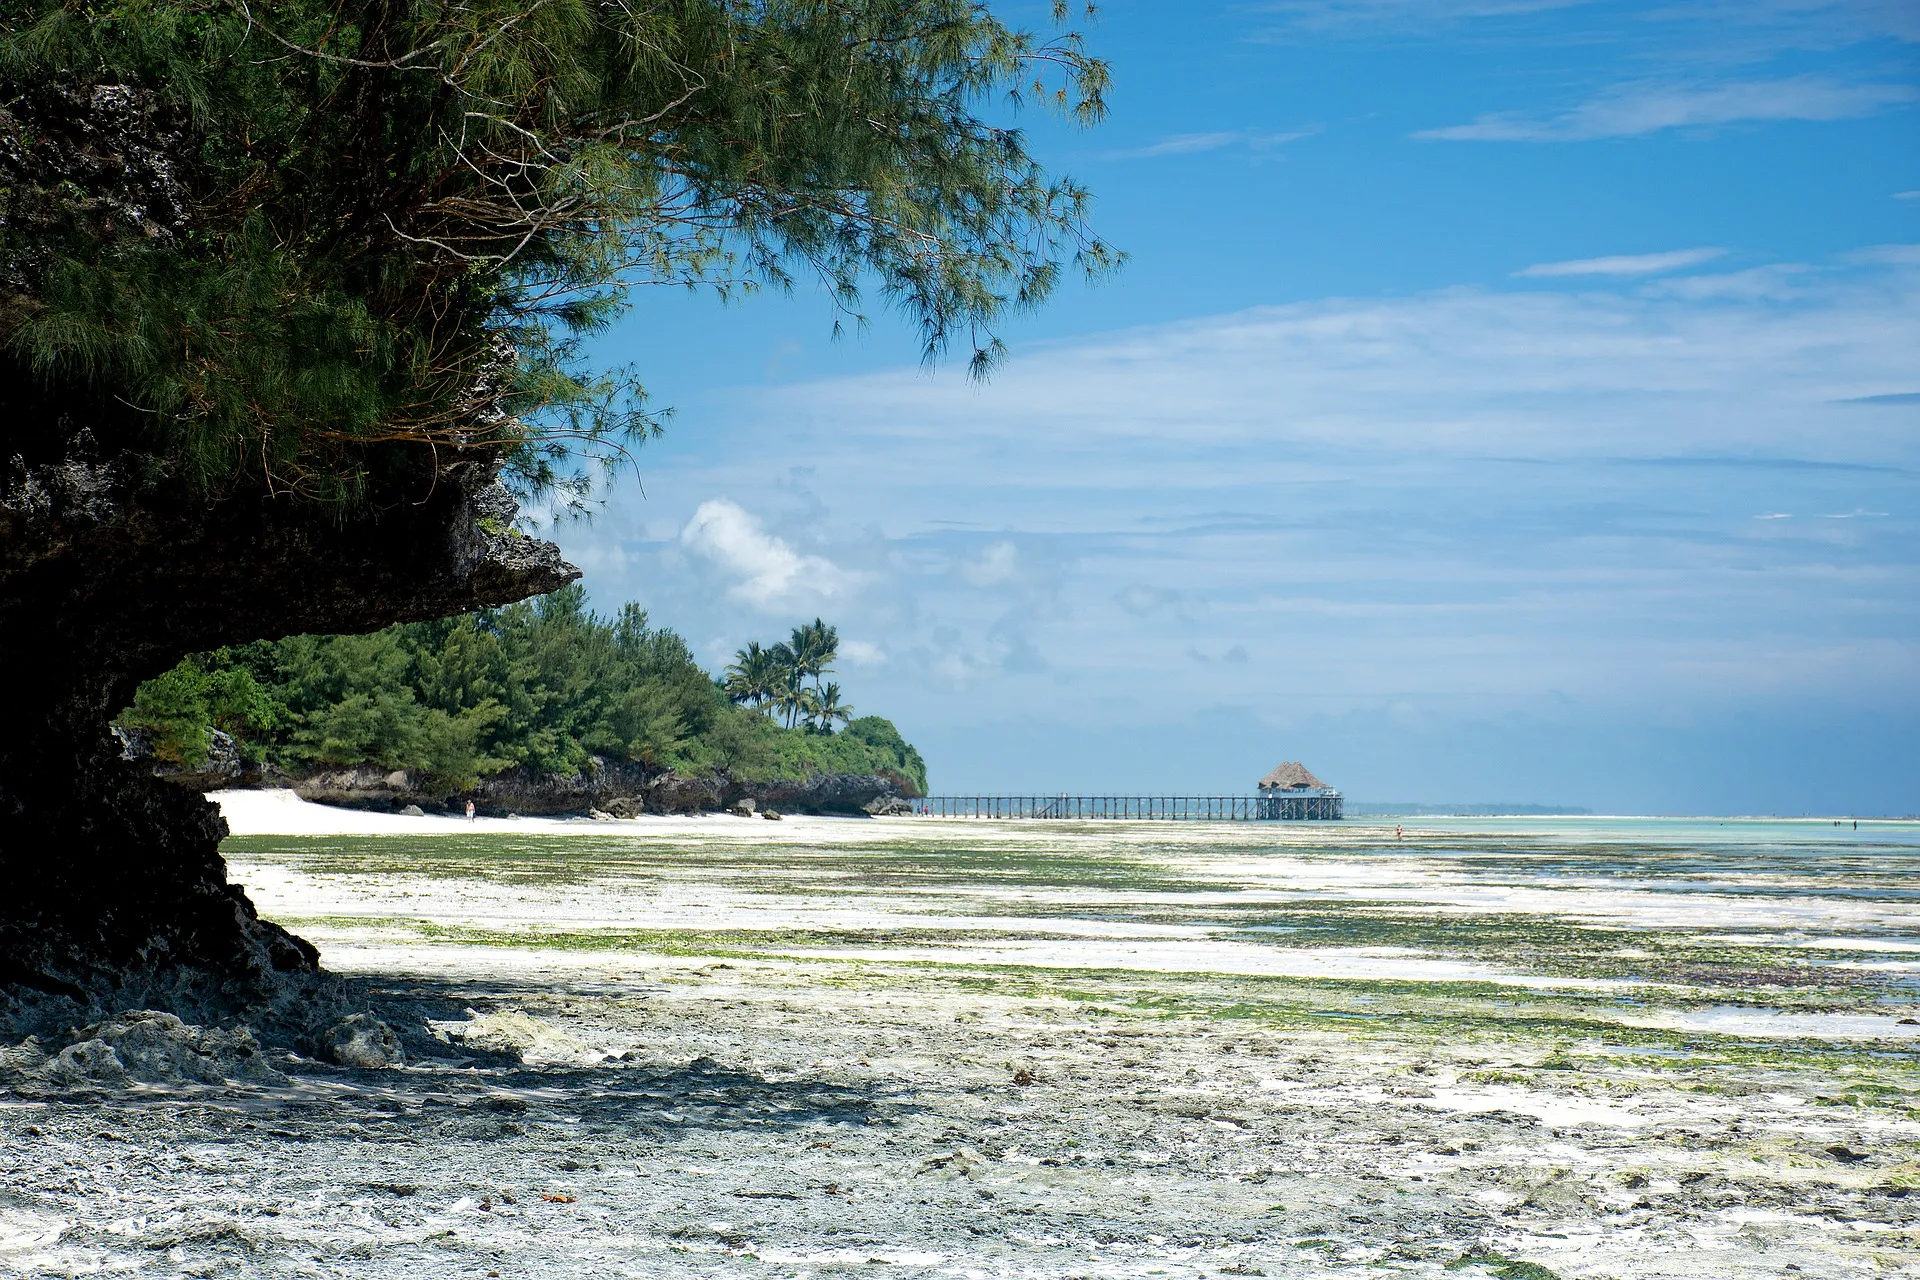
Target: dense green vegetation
(546,684)
(386,225)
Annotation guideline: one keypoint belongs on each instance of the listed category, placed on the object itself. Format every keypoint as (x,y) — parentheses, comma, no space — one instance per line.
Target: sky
(1504,401)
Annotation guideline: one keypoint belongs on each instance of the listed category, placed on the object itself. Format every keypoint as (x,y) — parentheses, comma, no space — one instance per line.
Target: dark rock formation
(223,766)
(622,790)
(113,566)
(849,794)
(111,884)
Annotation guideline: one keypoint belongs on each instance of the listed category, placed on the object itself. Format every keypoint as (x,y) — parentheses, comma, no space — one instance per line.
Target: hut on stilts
(1292,793)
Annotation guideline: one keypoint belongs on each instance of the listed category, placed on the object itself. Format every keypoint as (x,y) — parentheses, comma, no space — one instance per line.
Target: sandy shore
(279,812)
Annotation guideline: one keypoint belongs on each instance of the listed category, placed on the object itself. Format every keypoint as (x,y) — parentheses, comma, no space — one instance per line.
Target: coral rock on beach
(362,1040)
(149,1047)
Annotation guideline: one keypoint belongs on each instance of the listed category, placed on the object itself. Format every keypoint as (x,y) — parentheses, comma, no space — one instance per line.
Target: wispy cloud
(1323,15)
(1632,264)
(1755,25)
(1466,497)
(770,574)
(1637,109)
(1185,144)
(1904,255)
(1906,195)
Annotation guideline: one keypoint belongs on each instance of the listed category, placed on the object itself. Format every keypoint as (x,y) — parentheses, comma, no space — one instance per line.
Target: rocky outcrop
(112,890)
(115,562)
(848,794)
(620,790)
(223,766)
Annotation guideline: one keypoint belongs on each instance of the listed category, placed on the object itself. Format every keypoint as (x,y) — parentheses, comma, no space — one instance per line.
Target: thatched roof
(1288,776)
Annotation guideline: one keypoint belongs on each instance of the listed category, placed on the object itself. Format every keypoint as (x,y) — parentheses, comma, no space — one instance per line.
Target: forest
(545,685)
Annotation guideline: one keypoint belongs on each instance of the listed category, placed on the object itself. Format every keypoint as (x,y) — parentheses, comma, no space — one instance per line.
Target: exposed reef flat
(734,1048)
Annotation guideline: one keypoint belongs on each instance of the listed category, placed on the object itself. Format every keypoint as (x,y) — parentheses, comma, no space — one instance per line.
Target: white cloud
(1371,14)
(1902,255)
(863,653)
(772,576)
(1767,24)
(1636,264)
(1182,144)
(1637,109)
(1775,282)
(1462,496)
(997,566)
(1906,195)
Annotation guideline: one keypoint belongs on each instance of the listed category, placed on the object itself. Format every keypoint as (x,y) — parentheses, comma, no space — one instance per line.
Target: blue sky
(1505,400)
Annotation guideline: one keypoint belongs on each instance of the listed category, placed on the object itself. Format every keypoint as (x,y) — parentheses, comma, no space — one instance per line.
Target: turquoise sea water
(1899,832)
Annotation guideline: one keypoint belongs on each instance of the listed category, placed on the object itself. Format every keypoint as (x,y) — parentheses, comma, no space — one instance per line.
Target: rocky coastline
(612,788)
(615,790)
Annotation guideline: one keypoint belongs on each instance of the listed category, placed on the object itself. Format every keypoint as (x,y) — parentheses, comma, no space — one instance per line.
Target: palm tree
(776,677)
(756,675)
(783,682)
(814,647)
(828,707)
(789,695)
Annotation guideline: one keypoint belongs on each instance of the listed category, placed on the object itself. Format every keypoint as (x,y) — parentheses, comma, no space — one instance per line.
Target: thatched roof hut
(1290,776)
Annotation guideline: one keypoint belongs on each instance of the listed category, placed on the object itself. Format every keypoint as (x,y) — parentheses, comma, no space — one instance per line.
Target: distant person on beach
(1399,832)
(469,811)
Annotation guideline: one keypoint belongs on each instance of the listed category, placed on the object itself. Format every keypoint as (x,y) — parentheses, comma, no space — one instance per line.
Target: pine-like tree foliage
(406,215)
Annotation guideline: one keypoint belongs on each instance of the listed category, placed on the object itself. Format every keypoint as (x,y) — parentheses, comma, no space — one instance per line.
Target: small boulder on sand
(361,1040)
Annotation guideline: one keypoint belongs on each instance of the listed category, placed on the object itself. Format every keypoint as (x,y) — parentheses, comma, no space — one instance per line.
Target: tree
(787,689)
(754,677)
(828,708)
(287,286)
(405,216)
(813,647)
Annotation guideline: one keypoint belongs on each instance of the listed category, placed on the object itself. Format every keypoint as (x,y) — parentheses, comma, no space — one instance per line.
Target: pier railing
(1307,808)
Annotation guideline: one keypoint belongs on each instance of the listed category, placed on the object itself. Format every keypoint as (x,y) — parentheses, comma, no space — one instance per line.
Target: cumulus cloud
(1637,109)
(1634,264)
(862,653)
(770,574)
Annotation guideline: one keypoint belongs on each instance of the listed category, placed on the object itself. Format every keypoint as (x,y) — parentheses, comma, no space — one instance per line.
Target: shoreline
(281,812)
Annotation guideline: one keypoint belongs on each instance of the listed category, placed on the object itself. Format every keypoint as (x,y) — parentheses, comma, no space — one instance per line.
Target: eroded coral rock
(362,1040)
(150,1047)
(519,1035)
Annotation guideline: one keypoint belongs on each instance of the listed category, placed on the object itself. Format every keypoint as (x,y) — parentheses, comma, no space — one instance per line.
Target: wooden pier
(1325,807)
